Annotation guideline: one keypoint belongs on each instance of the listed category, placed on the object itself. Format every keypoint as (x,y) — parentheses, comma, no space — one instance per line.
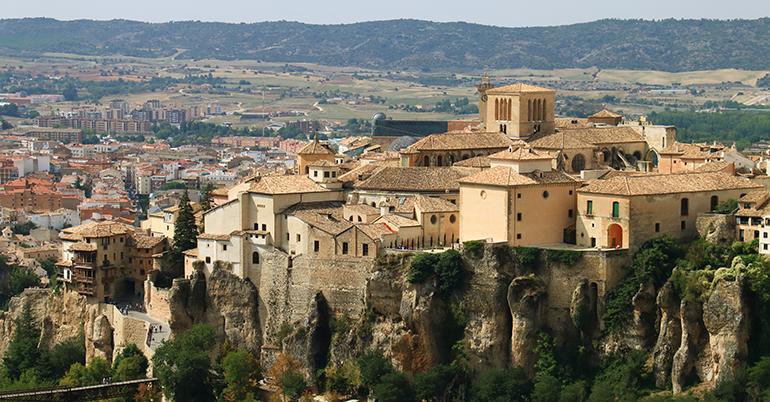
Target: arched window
(685,207)
(510,110)
(529,110)
(578,163)
(255,258)
(714,202)
(439,161)
(542,112)
(427,161)
(497,109)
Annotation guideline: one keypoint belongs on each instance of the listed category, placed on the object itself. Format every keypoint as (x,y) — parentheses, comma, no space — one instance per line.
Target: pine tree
(22,353)
(185,233)
(207,194)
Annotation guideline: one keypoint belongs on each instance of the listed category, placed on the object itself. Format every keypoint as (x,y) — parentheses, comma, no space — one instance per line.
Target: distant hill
(667,45)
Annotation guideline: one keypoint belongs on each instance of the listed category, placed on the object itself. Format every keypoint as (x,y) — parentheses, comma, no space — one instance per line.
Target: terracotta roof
(475,162)
(560,140)
(290,184)
(434,204)
(322,163)
(316,148)
(506,176)
(606,113)
(520,151)
(396,221)
(141,241)
(714,166)
(572,122)
(82,246)
(459,140)
(96,229)
(604,134)
(375,230)
(209,236)
(692,151)
(417,179)
(244,232)
(363,209)
(193,252)
(401,205)
(518,88)
(668,184)
(326,216)
(756,197)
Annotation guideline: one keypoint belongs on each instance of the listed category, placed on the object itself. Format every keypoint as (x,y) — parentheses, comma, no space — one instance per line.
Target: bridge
(76,394)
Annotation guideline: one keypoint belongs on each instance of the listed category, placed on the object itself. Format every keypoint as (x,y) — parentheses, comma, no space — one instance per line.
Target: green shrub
(727,206)
(475,247)
(449,270)
(567,257)
(528,256)
(421,267)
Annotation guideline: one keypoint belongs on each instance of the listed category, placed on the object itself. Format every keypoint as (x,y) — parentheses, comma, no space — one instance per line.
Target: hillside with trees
(665,45)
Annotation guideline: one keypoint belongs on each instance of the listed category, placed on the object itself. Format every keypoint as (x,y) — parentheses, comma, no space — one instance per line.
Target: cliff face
(708,339)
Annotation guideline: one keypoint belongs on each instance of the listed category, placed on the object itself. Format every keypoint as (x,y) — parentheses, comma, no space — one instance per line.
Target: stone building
(454,146)
(519,200)
(519,110)
(627,210)
(102,260)
(314,152)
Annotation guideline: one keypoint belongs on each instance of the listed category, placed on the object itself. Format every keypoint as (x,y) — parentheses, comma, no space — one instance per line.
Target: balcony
(86,290)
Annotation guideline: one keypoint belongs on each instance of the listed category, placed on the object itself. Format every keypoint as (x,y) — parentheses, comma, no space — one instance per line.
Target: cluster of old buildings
(518,176)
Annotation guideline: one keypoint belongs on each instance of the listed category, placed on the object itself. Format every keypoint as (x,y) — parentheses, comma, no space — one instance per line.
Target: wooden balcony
(85,290)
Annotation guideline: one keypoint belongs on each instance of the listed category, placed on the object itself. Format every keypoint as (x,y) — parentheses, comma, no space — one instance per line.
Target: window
(756,234)
(224,247)
(518,216)
(433,219)
(569,213)
(518,235)
(121,255)
(764,235)
(365,249)
(315,173)
(616,209)
(326,174)
(264,227)
(255,258)
(657,227)
(141,272)
(129,260)
(684,225)
(208,260)
(334,174)
(256,226)
(590,208)
(287,237)
(299,238)
(593,242)
(545,194)
(452,219)
(764,246)
(359,218)
(316,245)
(344,247)
(570,192)
(685,207)
(121,240)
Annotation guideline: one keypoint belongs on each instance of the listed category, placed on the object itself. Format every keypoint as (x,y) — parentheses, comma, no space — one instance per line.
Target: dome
(378,116)
(401,143)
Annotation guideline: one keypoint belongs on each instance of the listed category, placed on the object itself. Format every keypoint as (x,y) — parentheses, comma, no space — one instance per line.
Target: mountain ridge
(663,45)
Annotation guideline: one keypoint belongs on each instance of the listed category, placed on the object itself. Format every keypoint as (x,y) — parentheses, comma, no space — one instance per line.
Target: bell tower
(483,88)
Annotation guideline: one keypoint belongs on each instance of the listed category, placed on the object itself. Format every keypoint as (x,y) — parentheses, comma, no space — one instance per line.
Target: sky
(504,13)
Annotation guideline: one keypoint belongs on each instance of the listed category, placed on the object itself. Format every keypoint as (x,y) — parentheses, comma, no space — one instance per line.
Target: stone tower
(483,88)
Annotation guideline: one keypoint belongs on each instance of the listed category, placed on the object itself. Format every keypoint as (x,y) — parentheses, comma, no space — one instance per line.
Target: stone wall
(156,301)
(38,299)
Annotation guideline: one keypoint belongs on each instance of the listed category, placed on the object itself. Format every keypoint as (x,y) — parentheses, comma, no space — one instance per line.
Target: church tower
(483,88)
(519,110)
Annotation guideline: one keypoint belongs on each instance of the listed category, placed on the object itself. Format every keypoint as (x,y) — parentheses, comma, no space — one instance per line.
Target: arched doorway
(426,161)
(615,238)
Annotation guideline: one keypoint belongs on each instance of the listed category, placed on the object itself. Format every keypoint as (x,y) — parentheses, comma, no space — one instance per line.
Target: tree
(174,185)
(185,232)
(70,92)
(208,191)
(79,375)
(292,384)
(23,228)
(183,366)
(22,353)
(435,384)
(502,386)
(54,363)
(373,366)
(449,270)
(130,364)
(242,373)
(421,267)
(4,125)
